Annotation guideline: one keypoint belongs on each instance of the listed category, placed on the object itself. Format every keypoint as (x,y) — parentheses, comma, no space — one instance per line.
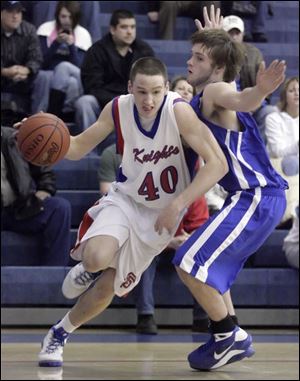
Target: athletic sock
(223,326)
(235,319)
(66,324)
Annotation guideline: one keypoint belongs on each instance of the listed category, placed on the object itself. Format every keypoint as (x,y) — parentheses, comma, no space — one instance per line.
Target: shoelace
(54,344)
(83,278)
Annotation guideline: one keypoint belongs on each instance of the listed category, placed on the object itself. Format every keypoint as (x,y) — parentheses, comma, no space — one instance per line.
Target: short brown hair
(222,51)
(282,103)
(148,66)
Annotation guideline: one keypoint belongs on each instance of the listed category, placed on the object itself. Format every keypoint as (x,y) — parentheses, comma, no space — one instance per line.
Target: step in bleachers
(265,287)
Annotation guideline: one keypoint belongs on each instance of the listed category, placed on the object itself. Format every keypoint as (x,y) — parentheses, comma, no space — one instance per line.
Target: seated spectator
(182,87)
(165,12)
(105,69)
(235,27)
(64,43)
(291,241)
(253,14)
(21,58)
(38,12)
(282,132)
(29,204)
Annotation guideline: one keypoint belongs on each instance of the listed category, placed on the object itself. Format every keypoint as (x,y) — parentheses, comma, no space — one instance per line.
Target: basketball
(43,139)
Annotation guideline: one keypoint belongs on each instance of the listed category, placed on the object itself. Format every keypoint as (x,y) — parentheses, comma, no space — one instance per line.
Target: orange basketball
(43,139)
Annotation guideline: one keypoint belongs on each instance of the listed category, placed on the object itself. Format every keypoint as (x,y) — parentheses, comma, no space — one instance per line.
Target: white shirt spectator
(282,132)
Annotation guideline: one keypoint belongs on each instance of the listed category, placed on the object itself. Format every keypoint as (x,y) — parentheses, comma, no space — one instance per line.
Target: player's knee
(93,257)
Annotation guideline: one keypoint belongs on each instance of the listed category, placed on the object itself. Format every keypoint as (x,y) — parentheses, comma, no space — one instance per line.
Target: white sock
(66,324)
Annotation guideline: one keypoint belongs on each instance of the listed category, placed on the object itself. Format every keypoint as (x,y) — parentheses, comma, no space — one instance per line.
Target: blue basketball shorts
(217,251)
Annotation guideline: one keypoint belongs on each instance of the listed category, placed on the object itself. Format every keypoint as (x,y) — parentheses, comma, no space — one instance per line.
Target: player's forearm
(250,99)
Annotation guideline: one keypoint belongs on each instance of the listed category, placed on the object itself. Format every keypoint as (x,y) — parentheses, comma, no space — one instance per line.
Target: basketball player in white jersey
(123,231)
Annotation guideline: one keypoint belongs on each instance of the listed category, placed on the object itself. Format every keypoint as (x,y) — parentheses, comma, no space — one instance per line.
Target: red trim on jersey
(116,118)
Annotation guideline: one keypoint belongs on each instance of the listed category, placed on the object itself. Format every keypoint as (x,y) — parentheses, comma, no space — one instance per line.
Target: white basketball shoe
(52,348)
(77,281)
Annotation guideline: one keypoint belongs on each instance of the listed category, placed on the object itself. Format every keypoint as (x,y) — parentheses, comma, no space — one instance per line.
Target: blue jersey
(247,158)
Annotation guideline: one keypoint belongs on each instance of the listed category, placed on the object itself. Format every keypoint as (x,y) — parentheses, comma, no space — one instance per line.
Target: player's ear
(167,86)
(219,70)
(129,87)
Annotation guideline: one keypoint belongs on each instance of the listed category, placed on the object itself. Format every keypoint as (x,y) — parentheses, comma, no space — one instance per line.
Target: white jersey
(153,169)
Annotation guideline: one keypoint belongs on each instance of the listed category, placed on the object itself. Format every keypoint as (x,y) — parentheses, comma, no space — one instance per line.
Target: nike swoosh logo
(217,356)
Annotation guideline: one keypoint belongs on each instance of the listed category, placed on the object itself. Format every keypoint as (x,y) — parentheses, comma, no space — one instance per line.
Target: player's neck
(147,123)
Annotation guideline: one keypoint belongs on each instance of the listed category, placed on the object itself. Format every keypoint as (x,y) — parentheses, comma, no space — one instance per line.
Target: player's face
(292,94)
(149,92)
(124,33)
(184,89)
(200,69)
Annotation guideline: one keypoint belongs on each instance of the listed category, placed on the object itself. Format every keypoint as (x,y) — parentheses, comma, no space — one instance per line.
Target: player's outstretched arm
(84,143)
(223,94)
(202,141)
(215,20)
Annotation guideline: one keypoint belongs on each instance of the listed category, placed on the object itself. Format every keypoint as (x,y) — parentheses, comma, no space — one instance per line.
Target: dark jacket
(25,178)
(103,73)
(21,48)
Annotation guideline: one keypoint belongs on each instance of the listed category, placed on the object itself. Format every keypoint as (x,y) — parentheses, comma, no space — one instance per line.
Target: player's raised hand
(268,79)
(215,21)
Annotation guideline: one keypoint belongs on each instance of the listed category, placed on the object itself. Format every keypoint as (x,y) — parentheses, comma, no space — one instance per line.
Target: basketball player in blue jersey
(210,260)
(117,234)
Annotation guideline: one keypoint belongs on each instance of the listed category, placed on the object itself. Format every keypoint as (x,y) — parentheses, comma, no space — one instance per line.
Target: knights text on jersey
(153,169)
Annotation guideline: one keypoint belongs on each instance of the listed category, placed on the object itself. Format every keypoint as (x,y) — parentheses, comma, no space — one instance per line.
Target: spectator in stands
(21,58)
(253,13)
(105,69)
(182,87)
(64,43)
(38,12)
(165,12)
(253,57)
(282,132)
(29,205)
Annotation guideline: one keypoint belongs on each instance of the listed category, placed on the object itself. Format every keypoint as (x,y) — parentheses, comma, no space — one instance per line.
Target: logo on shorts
(130,278)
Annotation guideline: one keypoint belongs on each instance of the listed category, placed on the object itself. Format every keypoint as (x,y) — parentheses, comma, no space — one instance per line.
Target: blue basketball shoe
(222,349)
(52,348)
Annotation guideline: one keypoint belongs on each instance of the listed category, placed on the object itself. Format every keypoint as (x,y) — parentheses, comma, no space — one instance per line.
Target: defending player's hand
(268,79)
(214,22)
(167,219)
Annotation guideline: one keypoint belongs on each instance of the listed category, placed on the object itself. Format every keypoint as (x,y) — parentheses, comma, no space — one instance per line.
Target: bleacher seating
(268,281)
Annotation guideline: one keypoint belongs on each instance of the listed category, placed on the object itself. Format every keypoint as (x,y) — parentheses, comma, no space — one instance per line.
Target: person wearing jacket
(106,66)
(29,204)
